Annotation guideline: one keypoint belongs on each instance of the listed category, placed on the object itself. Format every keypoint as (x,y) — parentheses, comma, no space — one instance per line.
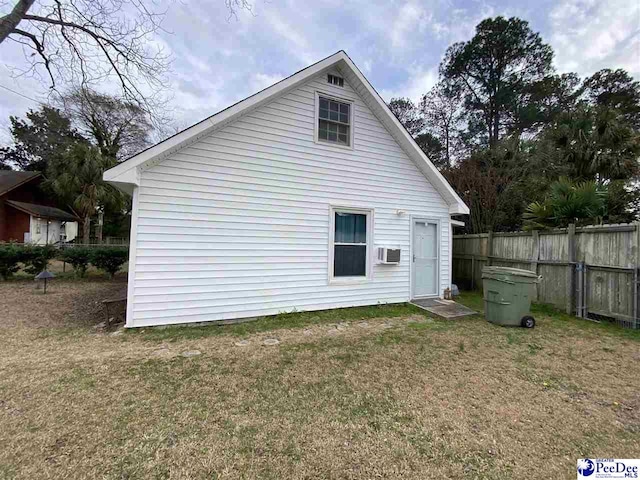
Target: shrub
(10,255)
(78,258)
(109,259)
(36,257)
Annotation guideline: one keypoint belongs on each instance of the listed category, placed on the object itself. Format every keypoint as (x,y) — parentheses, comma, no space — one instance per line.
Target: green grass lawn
(375,392)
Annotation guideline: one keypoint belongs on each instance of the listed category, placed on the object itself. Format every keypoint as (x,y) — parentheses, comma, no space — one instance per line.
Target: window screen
(350,245)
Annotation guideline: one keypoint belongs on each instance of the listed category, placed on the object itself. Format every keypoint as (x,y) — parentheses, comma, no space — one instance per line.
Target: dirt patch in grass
(344,394)
(67,303)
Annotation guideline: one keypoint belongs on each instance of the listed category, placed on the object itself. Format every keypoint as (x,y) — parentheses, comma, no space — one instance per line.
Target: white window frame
(369,212)
(316,120)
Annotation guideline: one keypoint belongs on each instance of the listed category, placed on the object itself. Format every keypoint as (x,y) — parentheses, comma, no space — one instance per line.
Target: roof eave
(456,205)
(126,175)
(63,216)
(122,172)
(26,180)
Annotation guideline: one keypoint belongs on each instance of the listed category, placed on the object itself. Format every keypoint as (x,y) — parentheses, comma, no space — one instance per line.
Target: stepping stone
(161,352)
(117,333)
(307,332)
(363,324)
(333,331)
(269,342)
(242,343)
(341,326)
(191,353)
(387,325)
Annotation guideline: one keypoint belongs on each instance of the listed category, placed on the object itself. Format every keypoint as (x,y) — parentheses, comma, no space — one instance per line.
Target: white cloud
(297,42)
(588,35)
(410,21)
(398,44)
(460,23)
(420,82)
(260,81)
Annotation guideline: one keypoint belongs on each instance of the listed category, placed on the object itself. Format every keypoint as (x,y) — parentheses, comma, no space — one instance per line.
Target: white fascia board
(191,134)
(456,223)
(456,205)
(129,176)
(458,208)
(128,171)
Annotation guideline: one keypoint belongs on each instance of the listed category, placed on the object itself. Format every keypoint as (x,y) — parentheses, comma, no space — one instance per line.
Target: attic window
(335,80)
(334,121)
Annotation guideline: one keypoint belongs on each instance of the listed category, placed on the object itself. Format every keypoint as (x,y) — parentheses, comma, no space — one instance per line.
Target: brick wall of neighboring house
(30,193)
(14,223)
(17,223)
(3,220)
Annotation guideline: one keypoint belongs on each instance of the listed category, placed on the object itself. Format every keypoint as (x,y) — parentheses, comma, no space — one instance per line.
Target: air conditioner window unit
(388,256)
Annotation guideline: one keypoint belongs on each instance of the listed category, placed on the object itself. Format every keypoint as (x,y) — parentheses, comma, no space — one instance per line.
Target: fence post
(489,248)
(581,295)
(535,256)
(636,280)
(473,270)
(571,254)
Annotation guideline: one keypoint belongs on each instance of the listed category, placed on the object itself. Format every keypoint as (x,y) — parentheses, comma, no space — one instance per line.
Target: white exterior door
(425,258)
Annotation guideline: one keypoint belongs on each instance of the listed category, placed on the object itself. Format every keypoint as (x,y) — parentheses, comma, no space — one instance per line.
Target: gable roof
(43,211)
(126,174)
(10,180)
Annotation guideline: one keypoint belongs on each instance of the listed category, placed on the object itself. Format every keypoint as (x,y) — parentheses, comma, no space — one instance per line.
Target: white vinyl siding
(238,225)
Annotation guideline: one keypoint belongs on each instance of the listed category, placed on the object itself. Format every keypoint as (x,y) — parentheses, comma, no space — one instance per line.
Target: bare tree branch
(9,22)
(235,5)
(39,47)
(90,43)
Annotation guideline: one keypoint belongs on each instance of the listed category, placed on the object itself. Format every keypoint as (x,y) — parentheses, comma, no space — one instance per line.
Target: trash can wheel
(528,321)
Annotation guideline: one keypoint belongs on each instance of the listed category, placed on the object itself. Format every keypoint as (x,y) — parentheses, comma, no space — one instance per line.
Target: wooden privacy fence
(590,271)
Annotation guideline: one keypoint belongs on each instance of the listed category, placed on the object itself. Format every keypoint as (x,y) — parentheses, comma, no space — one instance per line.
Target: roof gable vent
(335,80)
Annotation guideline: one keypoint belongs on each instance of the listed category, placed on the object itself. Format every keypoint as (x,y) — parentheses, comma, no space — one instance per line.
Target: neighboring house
(281,202)
(27,215)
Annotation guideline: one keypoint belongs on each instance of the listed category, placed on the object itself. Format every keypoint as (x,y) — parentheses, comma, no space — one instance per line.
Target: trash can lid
(518,272)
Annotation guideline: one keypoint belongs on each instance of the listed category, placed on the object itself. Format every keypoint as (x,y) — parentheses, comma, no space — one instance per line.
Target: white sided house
(308,195)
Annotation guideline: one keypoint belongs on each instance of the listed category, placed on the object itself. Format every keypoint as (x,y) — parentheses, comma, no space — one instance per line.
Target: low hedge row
(35,258)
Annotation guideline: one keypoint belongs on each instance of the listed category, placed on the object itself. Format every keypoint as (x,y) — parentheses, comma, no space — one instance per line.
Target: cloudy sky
(397,44)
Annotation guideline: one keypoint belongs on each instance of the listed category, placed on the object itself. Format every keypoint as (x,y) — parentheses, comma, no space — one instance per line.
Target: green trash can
(507,296)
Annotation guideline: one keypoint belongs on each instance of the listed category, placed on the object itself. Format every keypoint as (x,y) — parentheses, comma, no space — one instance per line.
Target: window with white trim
(350,243)
(334,121)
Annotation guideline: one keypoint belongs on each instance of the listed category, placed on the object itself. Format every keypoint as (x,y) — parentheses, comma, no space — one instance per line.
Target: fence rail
(592,272)
(91,245)
(115,242)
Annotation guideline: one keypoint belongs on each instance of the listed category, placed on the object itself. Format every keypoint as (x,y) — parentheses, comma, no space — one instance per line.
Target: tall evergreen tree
(499,73)
(614,89)
(44,136)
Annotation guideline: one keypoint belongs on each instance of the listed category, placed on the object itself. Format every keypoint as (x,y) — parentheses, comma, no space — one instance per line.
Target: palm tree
(593,142)
(77,179)
(567,202)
